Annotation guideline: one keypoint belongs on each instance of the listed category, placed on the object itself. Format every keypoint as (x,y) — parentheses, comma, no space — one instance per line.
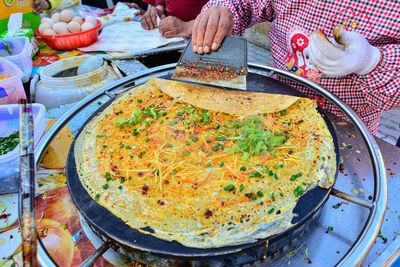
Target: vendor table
(339,226)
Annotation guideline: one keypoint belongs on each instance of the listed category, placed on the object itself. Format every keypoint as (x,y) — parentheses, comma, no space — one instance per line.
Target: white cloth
(353,54)
(128,37)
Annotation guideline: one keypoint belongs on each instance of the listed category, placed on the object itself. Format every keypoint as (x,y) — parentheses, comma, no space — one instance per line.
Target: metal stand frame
(377,206)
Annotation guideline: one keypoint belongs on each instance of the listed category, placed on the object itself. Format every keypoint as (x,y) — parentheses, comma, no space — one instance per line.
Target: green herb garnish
(298,191)
(229,187)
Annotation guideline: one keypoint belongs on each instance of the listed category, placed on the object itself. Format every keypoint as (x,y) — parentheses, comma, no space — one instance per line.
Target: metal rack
(376,207)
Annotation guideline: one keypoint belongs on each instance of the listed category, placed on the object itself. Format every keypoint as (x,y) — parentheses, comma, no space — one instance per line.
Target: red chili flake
(370,197)
(337,251)
(208,213)
(389,169)
(160,202)
(140,174)
(11,237)
(394,163)
(121,157)
(392,173)
(145,189)
(298,122)
(308,260)
(262,203)
(166,182)
(341,167)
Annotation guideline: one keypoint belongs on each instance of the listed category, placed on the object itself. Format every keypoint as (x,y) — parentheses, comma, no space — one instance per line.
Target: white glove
(353,54)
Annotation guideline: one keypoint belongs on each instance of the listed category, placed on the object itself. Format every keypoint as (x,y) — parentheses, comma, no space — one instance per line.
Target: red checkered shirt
(379,21)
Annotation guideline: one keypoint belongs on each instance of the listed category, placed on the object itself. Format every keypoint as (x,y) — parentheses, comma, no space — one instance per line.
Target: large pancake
(174,158)
(232,102)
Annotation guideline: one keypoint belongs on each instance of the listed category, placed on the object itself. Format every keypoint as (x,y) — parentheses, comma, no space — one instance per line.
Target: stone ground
(389,129)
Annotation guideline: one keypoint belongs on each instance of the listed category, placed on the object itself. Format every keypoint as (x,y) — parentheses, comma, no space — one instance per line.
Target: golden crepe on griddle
(204,166)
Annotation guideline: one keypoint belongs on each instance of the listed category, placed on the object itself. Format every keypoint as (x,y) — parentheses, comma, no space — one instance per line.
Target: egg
(55,17)
(49,32)
(91,20)
(47,20)
(60,28)
(78,19)
(86,26)
(74,27)
(66,16)
(43,27)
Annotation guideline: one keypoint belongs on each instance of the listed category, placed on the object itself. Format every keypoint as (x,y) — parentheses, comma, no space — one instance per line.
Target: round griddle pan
(307,208)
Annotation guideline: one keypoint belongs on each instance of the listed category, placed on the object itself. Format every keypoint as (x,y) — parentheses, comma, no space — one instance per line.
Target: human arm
(224,17)
(50,5)
(381,86)
(375,70)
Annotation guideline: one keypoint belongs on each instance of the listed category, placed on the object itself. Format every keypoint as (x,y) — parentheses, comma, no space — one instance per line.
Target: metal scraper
(226,67)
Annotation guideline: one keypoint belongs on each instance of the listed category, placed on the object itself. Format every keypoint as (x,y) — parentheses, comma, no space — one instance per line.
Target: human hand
(174,27)
(210,28)
(353,55)
(149,19)
(135,6)
(40,5)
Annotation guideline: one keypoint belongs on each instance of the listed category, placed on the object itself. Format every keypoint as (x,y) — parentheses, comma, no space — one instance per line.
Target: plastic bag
(16,29)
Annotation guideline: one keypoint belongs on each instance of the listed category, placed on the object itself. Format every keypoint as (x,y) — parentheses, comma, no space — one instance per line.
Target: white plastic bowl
(21,54)
(9,163)
(11,88)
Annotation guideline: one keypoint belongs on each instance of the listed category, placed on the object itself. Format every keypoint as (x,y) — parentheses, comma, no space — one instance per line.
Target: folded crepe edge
(241,103)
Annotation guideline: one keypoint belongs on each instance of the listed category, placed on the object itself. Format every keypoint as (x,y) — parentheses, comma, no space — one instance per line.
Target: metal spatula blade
(226,67)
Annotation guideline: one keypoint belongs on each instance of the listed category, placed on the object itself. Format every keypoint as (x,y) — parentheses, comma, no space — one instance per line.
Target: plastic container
(55,91)
(9,123)
(21,54)
(11,88)
(72,40)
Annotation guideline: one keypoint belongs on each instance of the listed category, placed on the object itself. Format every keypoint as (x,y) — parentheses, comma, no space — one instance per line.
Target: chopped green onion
(185,152)
(229,187)
(271,210)
(101,135)
(139,100)
(172,123)
(298,191)
(97,197)
(241,187)
(221,164)
(208,164)
(260,194)
(105,186)
(337,205)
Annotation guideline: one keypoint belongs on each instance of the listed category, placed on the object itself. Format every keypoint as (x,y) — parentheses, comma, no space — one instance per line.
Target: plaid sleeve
(382,85)
(245,13)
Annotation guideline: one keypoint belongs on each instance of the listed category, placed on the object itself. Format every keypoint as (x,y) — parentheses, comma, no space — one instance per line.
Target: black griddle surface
(113,227)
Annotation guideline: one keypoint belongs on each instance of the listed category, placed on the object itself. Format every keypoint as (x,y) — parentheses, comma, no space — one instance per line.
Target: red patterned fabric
(378,21)
(185,10)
